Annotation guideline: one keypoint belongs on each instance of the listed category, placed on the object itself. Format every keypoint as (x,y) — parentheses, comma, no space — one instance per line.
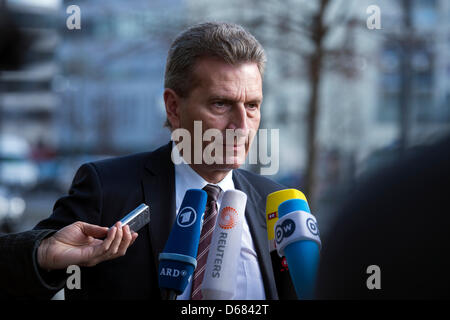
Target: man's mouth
(234,146)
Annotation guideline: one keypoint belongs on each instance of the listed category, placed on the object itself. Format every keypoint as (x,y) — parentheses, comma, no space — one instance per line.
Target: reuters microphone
(219,281)
(297,238)
(178,260)
(285,288)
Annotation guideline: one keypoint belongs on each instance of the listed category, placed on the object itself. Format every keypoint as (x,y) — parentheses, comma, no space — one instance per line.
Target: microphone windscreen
(283,281)
(274,199)
(219,281)
(178,259)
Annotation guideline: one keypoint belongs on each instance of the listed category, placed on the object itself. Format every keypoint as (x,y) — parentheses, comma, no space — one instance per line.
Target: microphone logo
(272,215)
(172,272)
(228,218)
(186,217)
(312,227)
(285,230)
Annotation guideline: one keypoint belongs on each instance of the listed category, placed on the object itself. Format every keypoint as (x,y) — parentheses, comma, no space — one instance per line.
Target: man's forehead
(223,79)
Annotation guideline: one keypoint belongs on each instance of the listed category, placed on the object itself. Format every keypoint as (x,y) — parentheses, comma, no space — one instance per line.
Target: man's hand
(78,244)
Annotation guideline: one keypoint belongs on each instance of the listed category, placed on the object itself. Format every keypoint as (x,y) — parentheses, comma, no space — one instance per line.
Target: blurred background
(348,95)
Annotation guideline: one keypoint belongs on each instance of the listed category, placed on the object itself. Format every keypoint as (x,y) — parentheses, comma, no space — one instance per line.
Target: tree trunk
(315,68)
(313,111)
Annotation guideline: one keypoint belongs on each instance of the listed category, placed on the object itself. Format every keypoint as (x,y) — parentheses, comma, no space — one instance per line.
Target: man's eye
(219,104)
(252,106)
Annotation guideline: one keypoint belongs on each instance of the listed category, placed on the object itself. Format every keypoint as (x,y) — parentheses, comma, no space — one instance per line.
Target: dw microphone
(285,288)
(297,238)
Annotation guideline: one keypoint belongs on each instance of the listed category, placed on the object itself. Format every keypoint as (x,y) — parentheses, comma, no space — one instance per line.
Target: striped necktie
(209,222)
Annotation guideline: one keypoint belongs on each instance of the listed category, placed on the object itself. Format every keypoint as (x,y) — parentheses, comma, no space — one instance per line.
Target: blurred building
(27,101)
(403,86)
(111,82)
(427,41)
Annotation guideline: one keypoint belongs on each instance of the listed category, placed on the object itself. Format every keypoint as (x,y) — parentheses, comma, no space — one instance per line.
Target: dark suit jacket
(103,192)
(19,273)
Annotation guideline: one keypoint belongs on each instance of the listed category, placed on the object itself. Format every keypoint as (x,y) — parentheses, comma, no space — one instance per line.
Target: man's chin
(232,163)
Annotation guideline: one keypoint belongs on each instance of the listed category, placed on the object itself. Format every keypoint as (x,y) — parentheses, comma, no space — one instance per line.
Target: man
(214,75)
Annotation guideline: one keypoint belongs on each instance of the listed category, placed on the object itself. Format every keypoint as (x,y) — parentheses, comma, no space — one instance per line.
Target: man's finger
(117,240)
(100,251)
(126,240)
(94,230)
(104,247)
(134,236)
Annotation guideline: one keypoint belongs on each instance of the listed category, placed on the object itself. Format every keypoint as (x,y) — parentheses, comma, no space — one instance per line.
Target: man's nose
(238,119)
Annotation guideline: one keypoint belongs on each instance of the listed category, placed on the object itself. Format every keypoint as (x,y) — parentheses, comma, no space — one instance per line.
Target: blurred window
(389,105)
(422,68)
(424,14)
(390,61)
(423,104)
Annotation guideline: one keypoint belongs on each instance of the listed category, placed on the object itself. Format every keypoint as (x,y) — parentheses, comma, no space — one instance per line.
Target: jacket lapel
(254,213)
(159,192)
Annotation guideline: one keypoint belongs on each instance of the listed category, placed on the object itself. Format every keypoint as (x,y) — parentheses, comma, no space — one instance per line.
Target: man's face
(225,97)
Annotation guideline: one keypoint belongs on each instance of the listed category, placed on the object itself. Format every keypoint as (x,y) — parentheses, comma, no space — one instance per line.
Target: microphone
(219,281)
(178,260)
(285,288)
(297,238)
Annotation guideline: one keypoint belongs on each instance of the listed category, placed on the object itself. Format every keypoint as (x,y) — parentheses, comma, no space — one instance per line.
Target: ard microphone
(297,238)
(285,288)
(219,281)
(177,262)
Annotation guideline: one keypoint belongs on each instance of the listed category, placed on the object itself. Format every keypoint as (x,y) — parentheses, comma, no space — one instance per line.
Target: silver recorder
(137,218)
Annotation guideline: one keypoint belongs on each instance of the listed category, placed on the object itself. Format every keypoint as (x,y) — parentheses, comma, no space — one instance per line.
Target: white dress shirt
(249,284)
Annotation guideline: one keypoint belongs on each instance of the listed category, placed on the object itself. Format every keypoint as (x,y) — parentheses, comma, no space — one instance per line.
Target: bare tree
(310,24)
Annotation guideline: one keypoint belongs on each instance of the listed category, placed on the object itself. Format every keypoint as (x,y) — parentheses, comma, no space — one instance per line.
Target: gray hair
(226,41)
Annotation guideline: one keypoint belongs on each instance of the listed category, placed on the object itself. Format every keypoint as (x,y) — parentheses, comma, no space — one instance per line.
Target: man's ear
(172,102)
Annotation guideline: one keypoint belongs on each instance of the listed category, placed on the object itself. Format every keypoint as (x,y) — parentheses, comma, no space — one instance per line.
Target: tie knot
(212,191)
